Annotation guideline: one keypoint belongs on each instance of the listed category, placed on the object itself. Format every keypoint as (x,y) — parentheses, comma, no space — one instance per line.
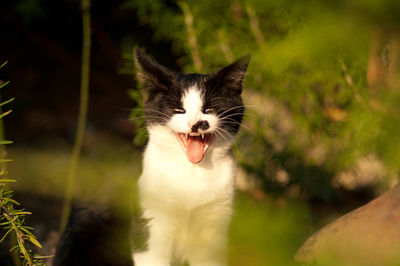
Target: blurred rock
(369,235)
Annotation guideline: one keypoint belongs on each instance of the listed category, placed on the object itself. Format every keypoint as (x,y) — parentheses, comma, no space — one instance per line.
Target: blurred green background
(321,130)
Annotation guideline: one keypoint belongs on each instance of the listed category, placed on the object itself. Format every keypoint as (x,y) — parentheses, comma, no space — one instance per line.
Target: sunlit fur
(192,102)
(188,205)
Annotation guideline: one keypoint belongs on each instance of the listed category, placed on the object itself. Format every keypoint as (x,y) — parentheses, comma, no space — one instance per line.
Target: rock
(369,235)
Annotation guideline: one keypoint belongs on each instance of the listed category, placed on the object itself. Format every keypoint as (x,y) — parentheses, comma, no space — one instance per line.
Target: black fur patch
(95,236)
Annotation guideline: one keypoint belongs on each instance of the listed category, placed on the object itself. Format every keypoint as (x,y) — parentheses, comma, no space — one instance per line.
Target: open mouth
(194,145)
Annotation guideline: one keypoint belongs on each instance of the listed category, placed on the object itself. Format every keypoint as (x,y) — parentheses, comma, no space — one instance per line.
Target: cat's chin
(195,145)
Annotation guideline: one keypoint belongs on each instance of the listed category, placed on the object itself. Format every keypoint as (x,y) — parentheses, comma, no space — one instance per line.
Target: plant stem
(225,49)
(3,170)
(255,25)
(21,243)
(194,48)
(3,150)
(84,99)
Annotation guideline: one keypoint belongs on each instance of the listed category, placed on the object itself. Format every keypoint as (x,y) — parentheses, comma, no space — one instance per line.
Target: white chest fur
(189,205)
(170,178)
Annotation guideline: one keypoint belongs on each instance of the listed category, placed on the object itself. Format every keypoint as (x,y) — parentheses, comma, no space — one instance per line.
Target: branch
(194,48)
(84,99)
(255,25)
(11,219)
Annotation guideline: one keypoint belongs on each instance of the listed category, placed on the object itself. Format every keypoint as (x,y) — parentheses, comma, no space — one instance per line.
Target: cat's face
(200,110)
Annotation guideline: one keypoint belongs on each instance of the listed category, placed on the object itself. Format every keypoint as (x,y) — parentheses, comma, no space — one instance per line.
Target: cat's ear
(150,73)
(231,76)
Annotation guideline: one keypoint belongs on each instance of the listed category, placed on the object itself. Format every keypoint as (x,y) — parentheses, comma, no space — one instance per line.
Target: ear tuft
(232,75)
(235,72)
(150,73)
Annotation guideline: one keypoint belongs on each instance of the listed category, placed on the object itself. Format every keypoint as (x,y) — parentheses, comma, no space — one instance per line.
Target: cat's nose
(202,125)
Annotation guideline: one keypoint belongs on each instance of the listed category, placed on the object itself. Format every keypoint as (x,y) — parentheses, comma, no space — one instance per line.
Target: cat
(186,187)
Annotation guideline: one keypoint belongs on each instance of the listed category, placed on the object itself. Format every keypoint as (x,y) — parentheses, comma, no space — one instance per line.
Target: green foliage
(163,17)
(266,234)
(12,218)
(137,116)
(309,110)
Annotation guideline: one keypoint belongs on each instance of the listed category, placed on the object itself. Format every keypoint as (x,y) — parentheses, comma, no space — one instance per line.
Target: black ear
(231,76)
(150,73)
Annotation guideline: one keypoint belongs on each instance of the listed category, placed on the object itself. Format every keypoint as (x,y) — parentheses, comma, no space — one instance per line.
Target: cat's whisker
(231,109)
(245,114)
(137,108)
(137,117)
(143,117)
(230,119)
(227,134)
(241,125)
(158,117)
(141,129)
(221,135)
(158,112)
(231,115)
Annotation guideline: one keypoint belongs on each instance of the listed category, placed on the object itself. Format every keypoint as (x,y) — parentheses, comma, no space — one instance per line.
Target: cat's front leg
(208,248)
(207,237)
(160,241)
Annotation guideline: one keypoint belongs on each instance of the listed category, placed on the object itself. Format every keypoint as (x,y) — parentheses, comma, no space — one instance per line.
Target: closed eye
(179,111)
(209,110)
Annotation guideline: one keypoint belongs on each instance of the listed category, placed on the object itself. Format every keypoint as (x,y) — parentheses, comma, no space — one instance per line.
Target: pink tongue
(195,149)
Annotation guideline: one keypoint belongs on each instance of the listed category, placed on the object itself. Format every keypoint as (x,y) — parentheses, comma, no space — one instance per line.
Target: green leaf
(8,101)
(26,230)
(10,200)
(14,248)
(4,180)
(22,247)
(3,142)
(5,235)
(34,241)
(21,213)
(135,95)
(4,84)
(5,113)
(5,63)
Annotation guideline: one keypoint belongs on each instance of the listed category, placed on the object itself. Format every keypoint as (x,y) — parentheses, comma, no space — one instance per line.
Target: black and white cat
(187,184)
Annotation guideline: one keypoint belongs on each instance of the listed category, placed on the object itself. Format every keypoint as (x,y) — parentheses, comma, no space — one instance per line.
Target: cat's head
(200,110)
